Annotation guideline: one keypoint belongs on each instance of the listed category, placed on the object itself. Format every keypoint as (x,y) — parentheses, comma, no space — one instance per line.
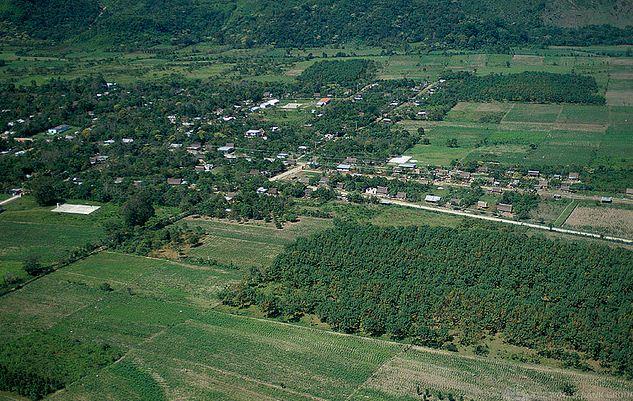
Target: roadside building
(504,208)
(432,199)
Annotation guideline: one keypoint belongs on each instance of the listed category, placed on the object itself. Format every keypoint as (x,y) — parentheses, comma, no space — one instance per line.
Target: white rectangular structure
(75,209)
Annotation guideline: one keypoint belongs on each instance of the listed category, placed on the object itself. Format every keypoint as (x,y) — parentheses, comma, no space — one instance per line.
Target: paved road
(499,220)
(11,199)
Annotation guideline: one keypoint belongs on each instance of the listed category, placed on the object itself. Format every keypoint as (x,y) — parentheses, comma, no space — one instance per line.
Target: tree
(33,267)
(138,210)
(421,130)
(45,190)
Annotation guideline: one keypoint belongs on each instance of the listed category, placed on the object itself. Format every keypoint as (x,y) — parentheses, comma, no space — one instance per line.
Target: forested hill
(422,283)
(441,23)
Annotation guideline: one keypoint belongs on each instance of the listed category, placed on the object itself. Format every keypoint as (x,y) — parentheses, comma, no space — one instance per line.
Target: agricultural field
(475,378)
(607,220)
(530,135)
(174,347)
(251,243)
(31,230)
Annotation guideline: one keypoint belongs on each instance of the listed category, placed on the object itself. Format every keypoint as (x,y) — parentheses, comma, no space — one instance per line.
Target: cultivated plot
(249,244)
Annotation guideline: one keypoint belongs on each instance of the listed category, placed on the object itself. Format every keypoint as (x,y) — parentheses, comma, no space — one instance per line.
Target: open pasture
(251,243)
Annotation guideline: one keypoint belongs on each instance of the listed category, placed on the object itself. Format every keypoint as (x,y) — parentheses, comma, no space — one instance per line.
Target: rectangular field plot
(602,219)
(73,298)
(542,113)
(249,244)
(157,278)
(481,379)
(302,360)
(31,230)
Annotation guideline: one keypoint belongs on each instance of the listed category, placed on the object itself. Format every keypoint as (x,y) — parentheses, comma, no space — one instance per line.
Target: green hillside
(439,23)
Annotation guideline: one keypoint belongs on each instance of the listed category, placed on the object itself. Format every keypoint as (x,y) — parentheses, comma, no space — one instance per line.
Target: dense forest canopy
(440,23)
(423,283)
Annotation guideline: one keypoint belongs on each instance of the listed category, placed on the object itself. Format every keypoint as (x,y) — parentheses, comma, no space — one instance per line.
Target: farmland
(28,228)
(175,347)
(249,244)
(291,213)
(531,135)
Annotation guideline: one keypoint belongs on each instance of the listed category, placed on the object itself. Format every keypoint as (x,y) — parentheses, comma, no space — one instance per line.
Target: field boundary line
(404,349)
(574,204)
(507,112)
(235,374)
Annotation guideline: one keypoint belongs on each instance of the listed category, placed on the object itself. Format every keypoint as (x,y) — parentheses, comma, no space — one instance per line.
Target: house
(58,129)
(482,205)
(407,166)
(464,175)
(175,145)
(194,147)
(261,190)
(350,160)
(308,192)
(533,173)
(565,187)
(399,160)
(382,191)
(343,168)
(504,207)
(629,191)
(401,196)
(324,101)
(273,192)
(282,155)
(175,181)
(324,181)
(108,142)
(98,159)
(127,140)
(228,148)
(254,133)
(432,198)
(269,103)
(574,176)
(230,196)
(606,199)
(118,180)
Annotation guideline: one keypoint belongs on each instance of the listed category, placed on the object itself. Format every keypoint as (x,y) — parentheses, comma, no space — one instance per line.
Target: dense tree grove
(528,86)
(347,74)
(422,283)
(438,23)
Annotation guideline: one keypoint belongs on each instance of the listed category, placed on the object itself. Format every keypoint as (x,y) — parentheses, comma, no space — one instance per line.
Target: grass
(31,230)
(249,244)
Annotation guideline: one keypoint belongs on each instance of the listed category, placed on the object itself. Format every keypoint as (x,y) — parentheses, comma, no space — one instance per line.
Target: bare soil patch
(607,220)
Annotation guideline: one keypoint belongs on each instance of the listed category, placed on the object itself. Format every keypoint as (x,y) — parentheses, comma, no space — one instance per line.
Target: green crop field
(31,230)
(249,244)
(529,135)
